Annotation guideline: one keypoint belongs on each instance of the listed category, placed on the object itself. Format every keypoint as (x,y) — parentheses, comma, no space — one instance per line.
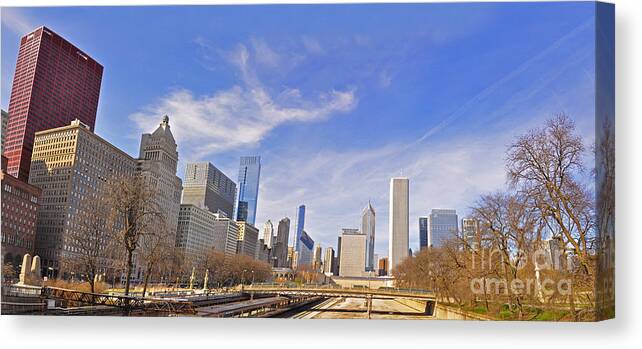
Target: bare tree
(92,242)
(546,166)
(133,212)
(157,245)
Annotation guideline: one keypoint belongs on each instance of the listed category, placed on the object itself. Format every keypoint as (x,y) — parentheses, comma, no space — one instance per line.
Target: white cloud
(241,116)
(265,54)
(335,186)
(312,45)
(385,79)
(16,21)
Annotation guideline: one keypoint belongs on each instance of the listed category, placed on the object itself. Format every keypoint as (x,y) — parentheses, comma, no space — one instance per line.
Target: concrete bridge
(358,292)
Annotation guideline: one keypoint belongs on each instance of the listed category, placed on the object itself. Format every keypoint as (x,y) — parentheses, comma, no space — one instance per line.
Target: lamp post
(243,279)
(252,284)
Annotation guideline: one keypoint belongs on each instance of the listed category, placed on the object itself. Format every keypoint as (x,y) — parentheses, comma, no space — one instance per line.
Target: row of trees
(535,241)
(122,228)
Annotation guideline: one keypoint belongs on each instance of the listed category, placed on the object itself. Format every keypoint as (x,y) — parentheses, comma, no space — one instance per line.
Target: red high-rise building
(55,83)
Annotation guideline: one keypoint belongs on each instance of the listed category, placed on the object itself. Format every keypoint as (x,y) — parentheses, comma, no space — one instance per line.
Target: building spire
(165,122)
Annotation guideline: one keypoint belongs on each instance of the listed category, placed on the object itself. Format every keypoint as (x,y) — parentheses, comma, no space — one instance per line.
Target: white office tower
(353,253)
(398,221)
(268,233)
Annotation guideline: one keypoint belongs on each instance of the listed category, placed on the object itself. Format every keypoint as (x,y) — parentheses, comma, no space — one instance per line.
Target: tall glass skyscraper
(423,233)
(249,173)
(443,226)
(368,228)
(300,223)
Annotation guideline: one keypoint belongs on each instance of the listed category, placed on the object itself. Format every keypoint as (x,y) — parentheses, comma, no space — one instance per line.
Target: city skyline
(440,130)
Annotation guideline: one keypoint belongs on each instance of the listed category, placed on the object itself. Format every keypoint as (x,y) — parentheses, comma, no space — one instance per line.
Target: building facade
(248,187)
(70,165)
(398,221)
(268,233)
(280,246)
(328,260)
(262,251)
(157,163)
(423,233)
(368,228)
(304,254)
(317,258)
(19,214)
(5,125)
(226,233)
(248,236)
(337,263)
(300,224)
(54,83)
(197,232)
(207,187)
(383,266)
(443,226)
(353,254)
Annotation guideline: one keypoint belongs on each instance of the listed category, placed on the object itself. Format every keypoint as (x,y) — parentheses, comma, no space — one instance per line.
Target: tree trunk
(147,276)
(92,279)
(485,295)
(130,266)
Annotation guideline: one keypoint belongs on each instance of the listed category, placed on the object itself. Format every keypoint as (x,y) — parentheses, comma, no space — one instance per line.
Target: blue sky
(336,99)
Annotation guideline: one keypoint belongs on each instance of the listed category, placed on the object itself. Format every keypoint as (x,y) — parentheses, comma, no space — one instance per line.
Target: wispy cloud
(16,21)
(500,83)
(243,115)
(312,45)
(444,172)
(335,186)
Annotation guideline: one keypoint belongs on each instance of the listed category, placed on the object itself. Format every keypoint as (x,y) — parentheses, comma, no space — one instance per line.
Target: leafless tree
(546,166)
(92,243)
(134,211)
(157,245)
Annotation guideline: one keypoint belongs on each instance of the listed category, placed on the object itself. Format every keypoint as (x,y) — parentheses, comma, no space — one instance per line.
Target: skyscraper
(157,162)
(423,233)
(280,249)
(5,124)
(443,226)
(337,263)
(300,223)
(248,235)
(398,221)
(268,233)
(206,186)
(368,228)
(54,83)
(317,258)
(353,253)
(328,260)
(305,250)
(248,187)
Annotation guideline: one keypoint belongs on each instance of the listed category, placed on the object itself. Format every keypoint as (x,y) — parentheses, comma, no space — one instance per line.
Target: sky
(336,99)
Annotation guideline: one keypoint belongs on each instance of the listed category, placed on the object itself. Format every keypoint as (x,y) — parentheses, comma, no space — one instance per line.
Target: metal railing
(328,290)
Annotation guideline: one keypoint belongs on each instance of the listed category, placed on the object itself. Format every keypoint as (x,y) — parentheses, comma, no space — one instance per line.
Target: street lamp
(243,279)
(252,283)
